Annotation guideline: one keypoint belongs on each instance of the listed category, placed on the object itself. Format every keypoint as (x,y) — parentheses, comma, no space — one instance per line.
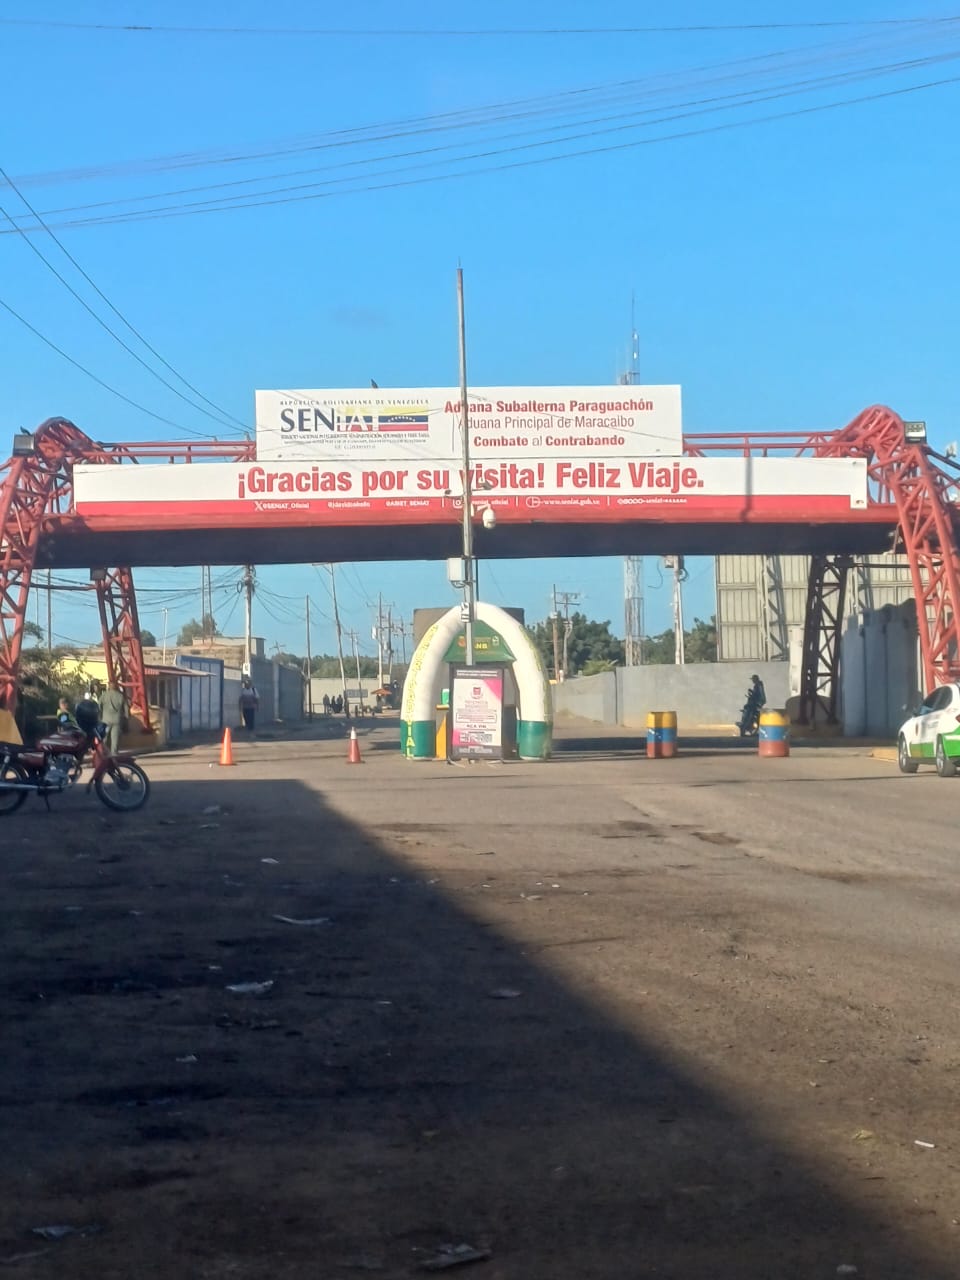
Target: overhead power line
(221,414)
(768,63)
(259,200)
(699,106)
(90,374)
(130,28)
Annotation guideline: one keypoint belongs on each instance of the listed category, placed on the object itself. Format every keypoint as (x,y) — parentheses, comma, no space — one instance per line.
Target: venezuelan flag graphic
(412,418)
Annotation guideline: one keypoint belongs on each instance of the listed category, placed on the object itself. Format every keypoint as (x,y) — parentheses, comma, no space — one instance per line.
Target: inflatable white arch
(427,675)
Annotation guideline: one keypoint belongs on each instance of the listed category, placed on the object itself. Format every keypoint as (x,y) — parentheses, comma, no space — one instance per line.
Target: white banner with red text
(566,489)
(425,423)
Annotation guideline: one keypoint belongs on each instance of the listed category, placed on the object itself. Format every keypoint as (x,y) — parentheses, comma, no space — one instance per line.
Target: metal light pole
(468,573)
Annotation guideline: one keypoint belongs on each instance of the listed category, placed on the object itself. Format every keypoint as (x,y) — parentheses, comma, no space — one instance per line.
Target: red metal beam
(35,490)
(908,483)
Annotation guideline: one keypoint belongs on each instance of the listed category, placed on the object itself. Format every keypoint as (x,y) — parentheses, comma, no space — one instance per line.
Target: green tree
(43,681)
(699,644)
(149,639)
(587,643)
(326,666)
(192,630)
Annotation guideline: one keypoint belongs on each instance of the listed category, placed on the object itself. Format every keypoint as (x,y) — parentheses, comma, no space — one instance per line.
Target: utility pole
(469,586)
(49,615)
(379,638)
(633,610)
(249,584)
(206,604)
(336,622)
(354,637)
(554,618)
(309,667)
(566,599)
(165,612)
(679,574)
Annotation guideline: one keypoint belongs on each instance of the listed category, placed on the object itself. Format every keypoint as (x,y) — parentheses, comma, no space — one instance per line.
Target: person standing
(326,704)
(249,703)
(114,710)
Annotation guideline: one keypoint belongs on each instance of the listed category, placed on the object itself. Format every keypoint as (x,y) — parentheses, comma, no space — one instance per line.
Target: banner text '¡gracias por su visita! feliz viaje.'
(256,480)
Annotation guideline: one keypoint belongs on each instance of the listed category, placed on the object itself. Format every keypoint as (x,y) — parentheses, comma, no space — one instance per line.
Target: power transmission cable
(715,104)
(103,324)
(473,117)
(221,413)
(131,28)
(100,382)
(728,101)
(727,126)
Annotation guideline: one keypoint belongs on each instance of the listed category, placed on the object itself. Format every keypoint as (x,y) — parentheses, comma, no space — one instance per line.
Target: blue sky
(787,273)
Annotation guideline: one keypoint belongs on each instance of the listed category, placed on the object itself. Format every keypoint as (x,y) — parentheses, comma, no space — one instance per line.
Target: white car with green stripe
(933,733)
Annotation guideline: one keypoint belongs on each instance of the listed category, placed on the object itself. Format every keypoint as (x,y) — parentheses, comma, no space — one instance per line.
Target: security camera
(489,518)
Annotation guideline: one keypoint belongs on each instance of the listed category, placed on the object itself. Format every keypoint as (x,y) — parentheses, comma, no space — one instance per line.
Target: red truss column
(33,488)
(917,481)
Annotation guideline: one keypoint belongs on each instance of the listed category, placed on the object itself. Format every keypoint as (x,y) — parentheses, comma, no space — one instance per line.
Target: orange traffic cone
(353,755)
(226,748)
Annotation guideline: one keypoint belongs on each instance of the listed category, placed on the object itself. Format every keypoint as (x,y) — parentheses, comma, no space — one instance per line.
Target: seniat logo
(316,419)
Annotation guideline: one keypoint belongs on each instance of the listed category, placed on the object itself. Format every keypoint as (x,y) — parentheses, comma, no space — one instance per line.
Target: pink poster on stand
(476,713)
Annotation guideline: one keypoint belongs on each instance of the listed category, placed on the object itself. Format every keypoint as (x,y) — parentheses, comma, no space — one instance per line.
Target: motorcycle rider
(756,700)
(757,693)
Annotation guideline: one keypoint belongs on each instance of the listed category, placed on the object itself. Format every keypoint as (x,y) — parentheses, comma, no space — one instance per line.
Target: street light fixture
(24,445)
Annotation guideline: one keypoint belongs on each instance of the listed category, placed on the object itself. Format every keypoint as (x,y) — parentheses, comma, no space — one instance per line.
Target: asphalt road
(605,1017)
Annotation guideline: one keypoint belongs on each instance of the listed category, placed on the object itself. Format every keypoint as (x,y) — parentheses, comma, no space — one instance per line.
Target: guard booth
(482,712)
(498,708)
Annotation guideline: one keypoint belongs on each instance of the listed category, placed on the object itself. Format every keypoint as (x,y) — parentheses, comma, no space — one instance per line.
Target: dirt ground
(605,1017)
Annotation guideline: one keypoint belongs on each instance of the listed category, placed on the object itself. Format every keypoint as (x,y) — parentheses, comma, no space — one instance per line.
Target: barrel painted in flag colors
(774,734)
(661,734)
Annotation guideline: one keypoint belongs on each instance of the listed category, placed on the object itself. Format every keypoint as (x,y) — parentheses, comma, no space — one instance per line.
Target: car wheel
(946,765)
(903,757)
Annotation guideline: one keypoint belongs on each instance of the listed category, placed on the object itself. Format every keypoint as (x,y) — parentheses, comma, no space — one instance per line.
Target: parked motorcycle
(749,722)
(56,762)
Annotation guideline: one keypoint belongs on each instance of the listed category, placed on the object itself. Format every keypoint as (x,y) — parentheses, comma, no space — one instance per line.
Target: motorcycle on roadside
(749,722)
(56,763)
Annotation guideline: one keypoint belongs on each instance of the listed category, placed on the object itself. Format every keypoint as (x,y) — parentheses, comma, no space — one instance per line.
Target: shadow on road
(409,1079)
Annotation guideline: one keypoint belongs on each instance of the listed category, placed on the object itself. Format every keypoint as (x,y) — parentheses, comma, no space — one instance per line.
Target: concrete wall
(334,688)
(703,694)
(289,694)
(879,662)
(589,697)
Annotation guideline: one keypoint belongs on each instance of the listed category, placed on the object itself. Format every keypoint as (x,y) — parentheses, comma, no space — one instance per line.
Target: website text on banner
(424,422)
(561,489)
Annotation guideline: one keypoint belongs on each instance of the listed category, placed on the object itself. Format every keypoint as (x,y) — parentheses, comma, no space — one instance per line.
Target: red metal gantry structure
(908,482)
